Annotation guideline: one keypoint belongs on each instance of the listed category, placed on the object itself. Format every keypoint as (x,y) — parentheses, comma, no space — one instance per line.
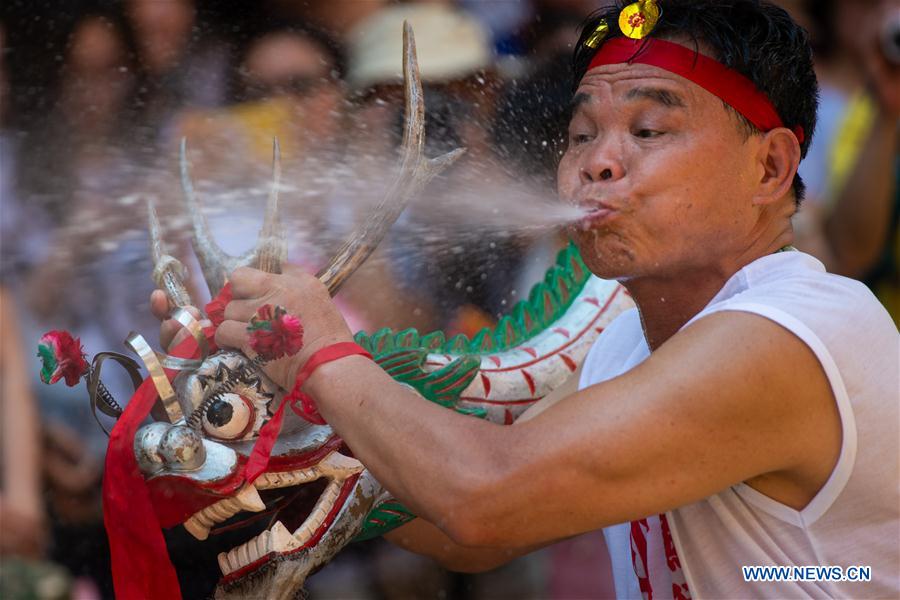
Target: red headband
(730,86)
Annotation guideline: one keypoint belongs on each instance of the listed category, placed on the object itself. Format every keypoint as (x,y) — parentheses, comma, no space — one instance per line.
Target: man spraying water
(745,413)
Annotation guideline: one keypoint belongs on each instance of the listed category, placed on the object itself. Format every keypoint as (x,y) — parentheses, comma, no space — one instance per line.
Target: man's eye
(647,133)
(581,138)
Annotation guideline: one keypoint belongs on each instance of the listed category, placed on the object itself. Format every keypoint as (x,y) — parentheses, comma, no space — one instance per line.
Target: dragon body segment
(502,371)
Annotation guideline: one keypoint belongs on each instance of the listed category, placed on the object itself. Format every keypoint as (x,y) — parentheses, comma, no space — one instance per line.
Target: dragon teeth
(303,534)
(196,528)
(338,466)
(248,499)
(277,539)
(335,466)
(263,542)
(243,553)
(223,564)
(280,539)
(287,478)
(323,506)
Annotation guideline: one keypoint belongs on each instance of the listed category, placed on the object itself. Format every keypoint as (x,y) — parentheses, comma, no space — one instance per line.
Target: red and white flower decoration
(275,333)
(62,357)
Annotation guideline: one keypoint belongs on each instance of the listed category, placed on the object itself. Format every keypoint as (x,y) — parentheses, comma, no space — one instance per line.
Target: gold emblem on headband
(598,36)
(638,20)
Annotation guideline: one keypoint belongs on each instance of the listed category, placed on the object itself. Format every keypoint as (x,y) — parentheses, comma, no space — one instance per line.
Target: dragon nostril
(146,447)
(182,449)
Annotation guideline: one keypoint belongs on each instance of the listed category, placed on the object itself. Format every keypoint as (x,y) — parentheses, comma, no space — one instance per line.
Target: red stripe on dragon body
(512,380)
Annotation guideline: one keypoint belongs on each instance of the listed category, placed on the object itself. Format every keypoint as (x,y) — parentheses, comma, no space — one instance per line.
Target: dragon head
(312,498)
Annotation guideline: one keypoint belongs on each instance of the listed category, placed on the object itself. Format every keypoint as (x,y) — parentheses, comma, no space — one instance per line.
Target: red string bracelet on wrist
(259,456)
(308,409)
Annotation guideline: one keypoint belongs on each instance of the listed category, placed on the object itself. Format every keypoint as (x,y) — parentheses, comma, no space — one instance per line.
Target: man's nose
(603,163)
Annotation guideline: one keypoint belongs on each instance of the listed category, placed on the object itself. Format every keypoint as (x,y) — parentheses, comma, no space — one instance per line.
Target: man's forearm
(387,424)
(422,537)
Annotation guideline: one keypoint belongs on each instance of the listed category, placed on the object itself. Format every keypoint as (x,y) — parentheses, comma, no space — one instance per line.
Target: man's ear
(778,158)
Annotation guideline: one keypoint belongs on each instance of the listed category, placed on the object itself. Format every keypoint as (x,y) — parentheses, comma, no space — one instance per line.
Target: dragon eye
(228,417)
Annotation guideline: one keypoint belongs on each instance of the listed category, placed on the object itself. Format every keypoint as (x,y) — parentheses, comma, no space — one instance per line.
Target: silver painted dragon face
(313,495)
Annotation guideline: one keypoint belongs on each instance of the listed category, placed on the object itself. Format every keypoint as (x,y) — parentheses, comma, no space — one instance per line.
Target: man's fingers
(242,310)
(161,309)
(247,282)
(159,304)
(168,332)
(233,334)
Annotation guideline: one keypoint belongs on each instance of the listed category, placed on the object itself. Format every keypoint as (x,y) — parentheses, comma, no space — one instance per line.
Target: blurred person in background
(336,18)
(179,65)
(287,84)
(79,166)
(73,269)
(24,570)
(77,145)
(468,275)
(850,220)
(24,521)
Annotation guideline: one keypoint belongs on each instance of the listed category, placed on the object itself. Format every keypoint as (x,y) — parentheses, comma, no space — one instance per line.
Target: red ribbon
(215,308)
(140,561)
(262,450)
(730,86)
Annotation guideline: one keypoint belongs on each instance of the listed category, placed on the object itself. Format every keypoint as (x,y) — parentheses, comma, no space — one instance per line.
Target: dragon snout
(159,446)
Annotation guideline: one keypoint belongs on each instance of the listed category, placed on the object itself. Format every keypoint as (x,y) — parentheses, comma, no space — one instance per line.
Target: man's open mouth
(299,505)
(595,215)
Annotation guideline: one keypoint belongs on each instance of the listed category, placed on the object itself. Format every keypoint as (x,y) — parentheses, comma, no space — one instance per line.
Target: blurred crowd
(95,97)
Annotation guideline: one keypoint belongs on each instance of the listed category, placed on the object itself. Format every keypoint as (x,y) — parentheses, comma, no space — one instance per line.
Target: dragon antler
(415,172)
(270,250)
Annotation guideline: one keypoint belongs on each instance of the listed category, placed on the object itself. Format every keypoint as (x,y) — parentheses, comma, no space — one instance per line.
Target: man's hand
(171,333)
(300,294)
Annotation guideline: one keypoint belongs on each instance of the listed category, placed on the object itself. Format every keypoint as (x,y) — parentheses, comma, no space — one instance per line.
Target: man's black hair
(753,37)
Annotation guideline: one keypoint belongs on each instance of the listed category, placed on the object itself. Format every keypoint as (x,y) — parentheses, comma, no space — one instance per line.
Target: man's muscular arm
(731,398)
(422,537)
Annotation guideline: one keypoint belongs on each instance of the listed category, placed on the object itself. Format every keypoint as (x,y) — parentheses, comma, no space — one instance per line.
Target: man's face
(665,171)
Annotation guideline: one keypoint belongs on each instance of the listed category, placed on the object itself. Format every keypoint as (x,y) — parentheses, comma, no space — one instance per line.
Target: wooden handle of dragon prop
(415,172)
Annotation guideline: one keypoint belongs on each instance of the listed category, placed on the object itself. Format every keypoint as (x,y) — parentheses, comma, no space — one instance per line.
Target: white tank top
(854,520)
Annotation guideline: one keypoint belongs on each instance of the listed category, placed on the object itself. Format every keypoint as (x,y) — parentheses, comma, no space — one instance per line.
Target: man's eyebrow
(664,97)
(577,100)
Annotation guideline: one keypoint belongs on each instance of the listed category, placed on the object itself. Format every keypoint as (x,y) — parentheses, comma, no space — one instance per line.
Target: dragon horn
(214,262)
(271,249)
(168,272)
(415,172)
